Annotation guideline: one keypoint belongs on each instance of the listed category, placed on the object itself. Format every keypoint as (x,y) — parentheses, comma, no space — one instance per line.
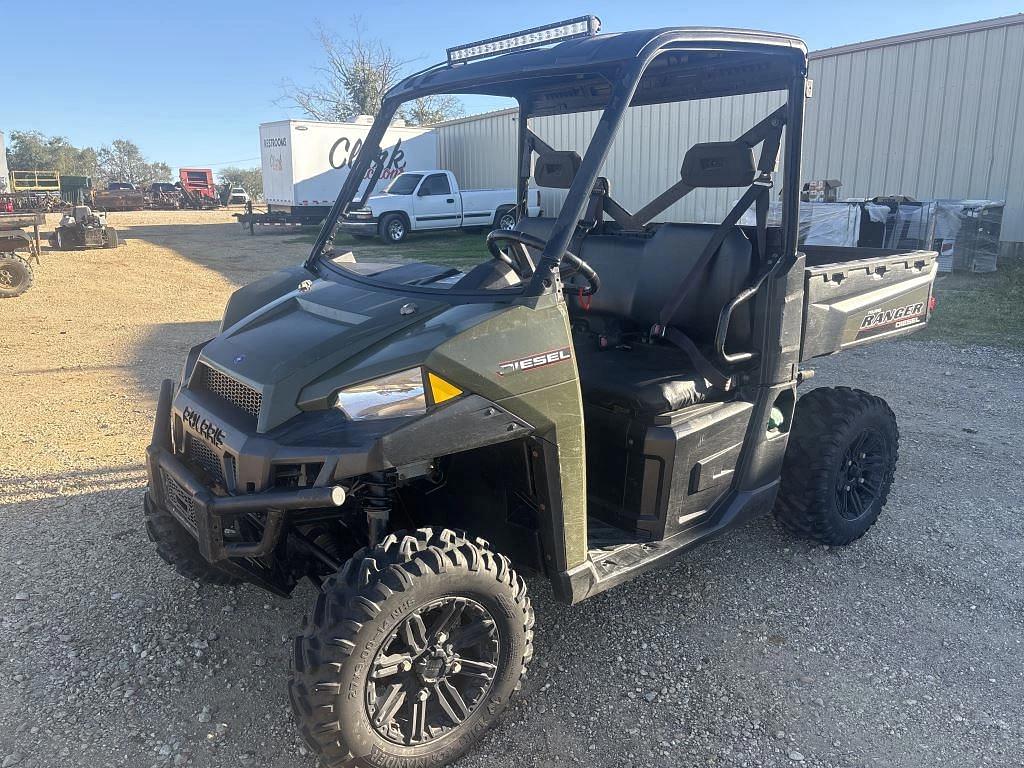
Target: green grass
(982,309)
(458,249)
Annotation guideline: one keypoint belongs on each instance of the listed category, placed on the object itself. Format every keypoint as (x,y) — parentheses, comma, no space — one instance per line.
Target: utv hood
(299,349)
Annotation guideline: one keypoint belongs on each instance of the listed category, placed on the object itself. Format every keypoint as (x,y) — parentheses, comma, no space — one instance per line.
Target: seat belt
(769,133)
(756,195)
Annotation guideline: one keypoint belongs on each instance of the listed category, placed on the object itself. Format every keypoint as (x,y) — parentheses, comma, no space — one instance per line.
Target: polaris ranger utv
(607,390)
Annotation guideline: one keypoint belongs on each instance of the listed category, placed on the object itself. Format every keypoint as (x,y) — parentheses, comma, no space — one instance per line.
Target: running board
(606,568)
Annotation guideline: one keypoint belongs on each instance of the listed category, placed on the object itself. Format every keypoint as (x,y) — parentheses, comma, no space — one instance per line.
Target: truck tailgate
(869,296)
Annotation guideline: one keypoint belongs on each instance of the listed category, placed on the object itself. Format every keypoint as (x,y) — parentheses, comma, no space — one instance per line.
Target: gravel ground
(756,650)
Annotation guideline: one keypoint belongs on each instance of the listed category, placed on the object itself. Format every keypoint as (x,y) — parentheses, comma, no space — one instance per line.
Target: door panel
(435,205)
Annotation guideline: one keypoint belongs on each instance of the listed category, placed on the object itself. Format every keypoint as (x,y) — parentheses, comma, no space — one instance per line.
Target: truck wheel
(393,228)
(112,239)
(505,218)
(839,465)
(178,548)
(412,651)
(15,275)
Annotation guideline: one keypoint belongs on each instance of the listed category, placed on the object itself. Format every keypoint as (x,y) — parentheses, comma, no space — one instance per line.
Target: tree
(122,160)
(249,179)
(352,82)
(428,110)
(32,150)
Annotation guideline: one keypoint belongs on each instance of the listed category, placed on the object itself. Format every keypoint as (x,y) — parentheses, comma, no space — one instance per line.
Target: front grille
(240,395)
(201,454)
(179,501)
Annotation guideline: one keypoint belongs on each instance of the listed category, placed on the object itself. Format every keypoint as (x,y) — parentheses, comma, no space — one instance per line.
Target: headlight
(397,394)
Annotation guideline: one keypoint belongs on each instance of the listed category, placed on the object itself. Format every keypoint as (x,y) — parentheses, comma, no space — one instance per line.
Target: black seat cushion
(643,379)
(640,274)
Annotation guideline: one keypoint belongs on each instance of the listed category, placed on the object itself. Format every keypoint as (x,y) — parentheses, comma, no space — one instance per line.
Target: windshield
(574,172)
(404,184)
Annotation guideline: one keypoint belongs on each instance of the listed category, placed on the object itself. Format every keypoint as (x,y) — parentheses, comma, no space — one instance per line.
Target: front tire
(412,651)
(393,228)
(15,275)
(839,465)
(178,548)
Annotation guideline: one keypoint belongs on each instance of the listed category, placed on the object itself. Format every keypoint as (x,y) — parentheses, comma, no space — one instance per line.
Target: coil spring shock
(376,501)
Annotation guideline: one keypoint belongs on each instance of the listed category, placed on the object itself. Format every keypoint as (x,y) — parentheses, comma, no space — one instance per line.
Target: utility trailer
(602,392)
(15,270)
(305,163)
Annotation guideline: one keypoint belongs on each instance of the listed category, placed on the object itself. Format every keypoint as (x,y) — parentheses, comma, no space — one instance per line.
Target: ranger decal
(897,317)
(534,361)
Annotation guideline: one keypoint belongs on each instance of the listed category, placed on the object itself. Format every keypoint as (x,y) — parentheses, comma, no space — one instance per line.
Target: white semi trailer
(305,162)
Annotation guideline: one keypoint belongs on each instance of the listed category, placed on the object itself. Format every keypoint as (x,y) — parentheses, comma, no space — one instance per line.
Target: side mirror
(422,191)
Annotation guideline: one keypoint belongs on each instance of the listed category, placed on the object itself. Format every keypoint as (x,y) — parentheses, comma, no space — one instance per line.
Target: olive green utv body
(603,393)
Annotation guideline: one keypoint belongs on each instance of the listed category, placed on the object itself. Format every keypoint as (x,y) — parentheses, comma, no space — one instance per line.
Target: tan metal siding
(930,118)
(481,151)
(934,115)
(645,158)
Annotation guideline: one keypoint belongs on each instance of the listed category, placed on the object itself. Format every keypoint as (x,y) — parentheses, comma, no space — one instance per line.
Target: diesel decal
(534,361)
(206,428)
(897,316)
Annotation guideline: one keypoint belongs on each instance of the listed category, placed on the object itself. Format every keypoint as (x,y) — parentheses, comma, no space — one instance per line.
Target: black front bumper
(177,489)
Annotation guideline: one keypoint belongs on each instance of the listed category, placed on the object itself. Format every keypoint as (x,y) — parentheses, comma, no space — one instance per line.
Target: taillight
(932,303)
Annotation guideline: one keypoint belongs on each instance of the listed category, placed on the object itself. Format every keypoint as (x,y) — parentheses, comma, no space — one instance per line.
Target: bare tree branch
(352,80)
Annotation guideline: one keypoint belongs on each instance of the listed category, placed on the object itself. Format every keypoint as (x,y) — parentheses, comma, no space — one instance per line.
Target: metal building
(933,114)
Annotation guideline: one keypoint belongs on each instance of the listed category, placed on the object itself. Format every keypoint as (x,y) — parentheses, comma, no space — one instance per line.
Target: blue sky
(136,78)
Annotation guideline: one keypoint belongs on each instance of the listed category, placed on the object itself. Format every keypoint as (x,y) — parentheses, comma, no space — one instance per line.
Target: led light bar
(582,26)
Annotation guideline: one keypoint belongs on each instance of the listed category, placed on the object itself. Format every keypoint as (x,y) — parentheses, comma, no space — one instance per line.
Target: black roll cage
(745,70)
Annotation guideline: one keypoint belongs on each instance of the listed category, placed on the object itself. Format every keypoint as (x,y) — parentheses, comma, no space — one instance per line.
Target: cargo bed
(855,296)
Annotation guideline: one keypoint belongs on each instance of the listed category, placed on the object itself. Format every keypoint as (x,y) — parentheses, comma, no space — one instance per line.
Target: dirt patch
(85,349)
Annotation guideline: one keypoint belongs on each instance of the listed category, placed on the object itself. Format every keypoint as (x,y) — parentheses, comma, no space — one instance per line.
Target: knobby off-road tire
(434,589)
(112,240)
(839,465)
(178,548)
(15,275)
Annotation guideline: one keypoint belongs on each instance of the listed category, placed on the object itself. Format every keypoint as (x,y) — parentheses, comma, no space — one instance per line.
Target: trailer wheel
(412,651)
(394,228)
(839,465)
(505,219)
(15,275)
(112,238)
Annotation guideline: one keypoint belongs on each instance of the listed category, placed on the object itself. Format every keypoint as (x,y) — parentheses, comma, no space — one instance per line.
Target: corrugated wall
(940,115)
(480,150)
(644,159)
(933,118)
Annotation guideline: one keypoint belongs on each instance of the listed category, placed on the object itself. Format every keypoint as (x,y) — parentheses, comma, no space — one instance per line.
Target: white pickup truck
(430,200)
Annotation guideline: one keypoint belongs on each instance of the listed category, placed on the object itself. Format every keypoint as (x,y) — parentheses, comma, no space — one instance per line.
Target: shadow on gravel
(224,248)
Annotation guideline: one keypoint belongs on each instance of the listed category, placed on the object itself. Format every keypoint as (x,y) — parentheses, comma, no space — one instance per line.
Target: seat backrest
(641,274)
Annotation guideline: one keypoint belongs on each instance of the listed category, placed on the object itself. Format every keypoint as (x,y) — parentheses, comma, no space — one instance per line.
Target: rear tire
(393,228)
(412,651)
(839,465)
(177,547)
(112,239)
(15,275)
